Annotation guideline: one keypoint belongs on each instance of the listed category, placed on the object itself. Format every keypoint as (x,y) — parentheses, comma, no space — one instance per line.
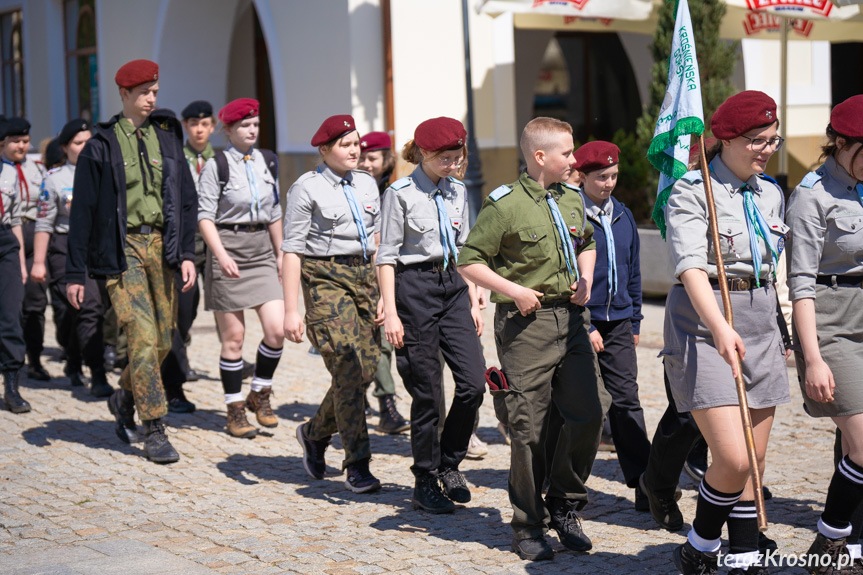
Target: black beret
(53,154)
(17,127)
(72,129)
(198,109)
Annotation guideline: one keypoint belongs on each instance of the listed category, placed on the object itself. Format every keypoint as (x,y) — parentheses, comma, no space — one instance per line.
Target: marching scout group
(396,265)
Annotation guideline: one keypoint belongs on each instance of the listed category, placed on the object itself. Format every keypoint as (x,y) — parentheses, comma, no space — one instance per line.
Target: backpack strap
(222,170)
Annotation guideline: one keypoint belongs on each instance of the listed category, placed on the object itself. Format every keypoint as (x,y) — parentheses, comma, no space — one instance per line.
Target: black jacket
(97,221)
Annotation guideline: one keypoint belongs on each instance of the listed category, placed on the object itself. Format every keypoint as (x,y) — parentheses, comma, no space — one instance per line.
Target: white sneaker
(476,448)
(504,431)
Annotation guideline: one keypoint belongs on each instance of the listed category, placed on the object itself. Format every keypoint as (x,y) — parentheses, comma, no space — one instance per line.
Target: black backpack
(270,159)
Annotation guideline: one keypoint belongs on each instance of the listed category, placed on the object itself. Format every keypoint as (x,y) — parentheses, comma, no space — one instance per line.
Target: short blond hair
(539,134)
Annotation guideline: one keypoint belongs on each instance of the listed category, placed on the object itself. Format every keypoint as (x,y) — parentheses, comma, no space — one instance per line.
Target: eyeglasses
(758,144)
(447,162)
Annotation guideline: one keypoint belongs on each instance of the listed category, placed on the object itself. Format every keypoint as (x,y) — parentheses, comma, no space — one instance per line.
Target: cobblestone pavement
(74,499)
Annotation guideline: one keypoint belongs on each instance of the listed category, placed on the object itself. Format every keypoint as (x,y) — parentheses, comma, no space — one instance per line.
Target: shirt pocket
(422,233)
(7,196)
(133,173)
(733,240)
(847,235)
(532,241)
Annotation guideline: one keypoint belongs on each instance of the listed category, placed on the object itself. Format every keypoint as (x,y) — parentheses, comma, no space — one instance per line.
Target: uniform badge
(68,201)
(769,114)
(573,229)
(456,223)
(610,160)
(780,246)
(347,124)
(154,161)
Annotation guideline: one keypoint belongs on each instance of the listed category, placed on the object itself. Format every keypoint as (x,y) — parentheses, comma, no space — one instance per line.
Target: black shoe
(765,543)
(99,386)
(429,497)
(767,493)
(606,443)
(834,549)
(76,378)
(37,373)
(248,369)
(156,445)
(691,561)
(751,570)
(360,479)
(536,549)
(192,375)
(122,406)
(313,453)
(567,523)
(109,357)
(180,405)
(11,396)
(391,420)
(454,485)
(696,461)
(664,511)
(641,502)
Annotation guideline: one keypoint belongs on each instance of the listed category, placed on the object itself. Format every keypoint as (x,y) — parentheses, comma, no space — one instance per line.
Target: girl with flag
(699,342)
(429,309)
(824,278)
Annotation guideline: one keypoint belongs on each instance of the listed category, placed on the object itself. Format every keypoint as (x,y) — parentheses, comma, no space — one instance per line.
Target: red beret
(847,117)
(333,128)
(137,72)
(596,155)
(743,112)
(238,109)
(375,141)
(440,134)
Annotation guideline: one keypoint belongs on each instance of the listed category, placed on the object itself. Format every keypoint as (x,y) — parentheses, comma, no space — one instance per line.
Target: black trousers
(619,368)
(176,364)
(35,300)
(79,331)
(674,438)
(12,290)
(434,308)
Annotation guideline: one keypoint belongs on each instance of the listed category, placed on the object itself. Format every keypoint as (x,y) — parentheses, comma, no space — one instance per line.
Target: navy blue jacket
(97,221)
(626,304)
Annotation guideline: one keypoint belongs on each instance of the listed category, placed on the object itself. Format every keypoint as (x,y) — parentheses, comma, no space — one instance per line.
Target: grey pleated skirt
(839,321)
(700,377)
(259,277)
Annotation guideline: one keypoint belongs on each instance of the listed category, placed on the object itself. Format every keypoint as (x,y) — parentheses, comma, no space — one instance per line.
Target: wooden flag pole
(729,317)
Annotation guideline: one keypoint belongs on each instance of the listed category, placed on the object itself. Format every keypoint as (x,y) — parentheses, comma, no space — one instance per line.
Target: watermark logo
(772,558)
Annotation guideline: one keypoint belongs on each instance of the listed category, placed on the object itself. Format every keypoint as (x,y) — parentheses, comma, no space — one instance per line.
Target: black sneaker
(536,549)
(99,386)
(37,373)
(765,543)
(696,461)
(360,479)
(122,406)
(76,379)
(834,549)
(641,502)
(313,453)
(664,511)
(180,405)
(567,523)
(391,421)
(429,497)
(454,485)
(751,570)
(691,561)
(156,444)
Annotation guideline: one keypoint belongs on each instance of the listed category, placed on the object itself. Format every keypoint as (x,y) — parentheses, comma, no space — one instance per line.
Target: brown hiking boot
(258,402)
(238,425)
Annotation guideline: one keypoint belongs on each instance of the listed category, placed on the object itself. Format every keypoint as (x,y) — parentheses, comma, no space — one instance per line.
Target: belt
(737,284)
(840,281)
(145,230)
(435,266)
(242,227)
(342,260)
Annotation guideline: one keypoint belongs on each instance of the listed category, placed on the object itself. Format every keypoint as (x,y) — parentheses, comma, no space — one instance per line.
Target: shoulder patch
(764,176)
(570,186)
(401,183)
(810,180)
(500,192)
(693,177)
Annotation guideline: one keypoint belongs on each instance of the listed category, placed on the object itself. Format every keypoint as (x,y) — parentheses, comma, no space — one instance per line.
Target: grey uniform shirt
(233,205)
(410,228)
(318,218)
(9,195)
(29,190)
(688,233)
(55,201)
(826,220)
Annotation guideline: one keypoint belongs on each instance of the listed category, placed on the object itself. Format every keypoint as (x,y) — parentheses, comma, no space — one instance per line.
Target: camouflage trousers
(144,300)
(341,302)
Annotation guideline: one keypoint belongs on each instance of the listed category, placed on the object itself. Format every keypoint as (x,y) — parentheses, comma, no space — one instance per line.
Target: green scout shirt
(515,236)
(143,194)
(192,156)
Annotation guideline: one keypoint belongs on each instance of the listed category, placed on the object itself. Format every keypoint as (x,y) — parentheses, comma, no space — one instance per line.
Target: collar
(192,151)
(424,183)
(129,129)
(533,188)
(594,211)
(236,154)
(333,178)
(729,181)
(6,160)
(837,172)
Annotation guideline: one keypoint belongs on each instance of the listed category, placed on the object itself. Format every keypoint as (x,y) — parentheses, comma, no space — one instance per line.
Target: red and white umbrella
(621,9)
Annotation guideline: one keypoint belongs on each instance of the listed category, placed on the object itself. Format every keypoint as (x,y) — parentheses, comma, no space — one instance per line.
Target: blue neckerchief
(611,253)
(860,192)
(563,234)
(358,216)
(757,227)
(253,185)
(446,232)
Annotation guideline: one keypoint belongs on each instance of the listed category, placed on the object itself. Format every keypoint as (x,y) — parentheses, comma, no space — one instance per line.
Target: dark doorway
(846,61)
(264,88)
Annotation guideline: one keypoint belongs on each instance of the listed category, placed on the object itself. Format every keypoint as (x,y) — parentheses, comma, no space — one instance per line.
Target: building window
(12,54)
(82,71)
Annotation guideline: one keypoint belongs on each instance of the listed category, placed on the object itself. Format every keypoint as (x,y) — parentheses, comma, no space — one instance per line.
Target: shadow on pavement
(95,434)
(81,393)
(295,411)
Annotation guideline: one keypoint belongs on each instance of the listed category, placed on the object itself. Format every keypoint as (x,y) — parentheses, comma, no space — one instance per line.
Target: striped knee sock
(231,371)
(711,511)
(266,363)
(843,497)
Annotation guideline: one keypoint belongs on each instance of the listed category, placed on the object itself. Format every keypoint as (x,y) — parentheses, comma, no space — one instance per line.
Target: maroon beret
(333,128)
(375,141)
(136,72)
(440,134)
(239,109)
(847,117)
(596,155)
(743,112)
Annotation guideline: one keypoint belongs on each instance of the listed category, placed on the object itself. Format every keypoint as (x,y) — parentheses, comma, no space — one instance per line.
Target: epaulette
(53,170)
(456,181)
(401,183)
(693,177)
(307,176)
(570,186)
(764,176)
(810,180)
(500,192)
